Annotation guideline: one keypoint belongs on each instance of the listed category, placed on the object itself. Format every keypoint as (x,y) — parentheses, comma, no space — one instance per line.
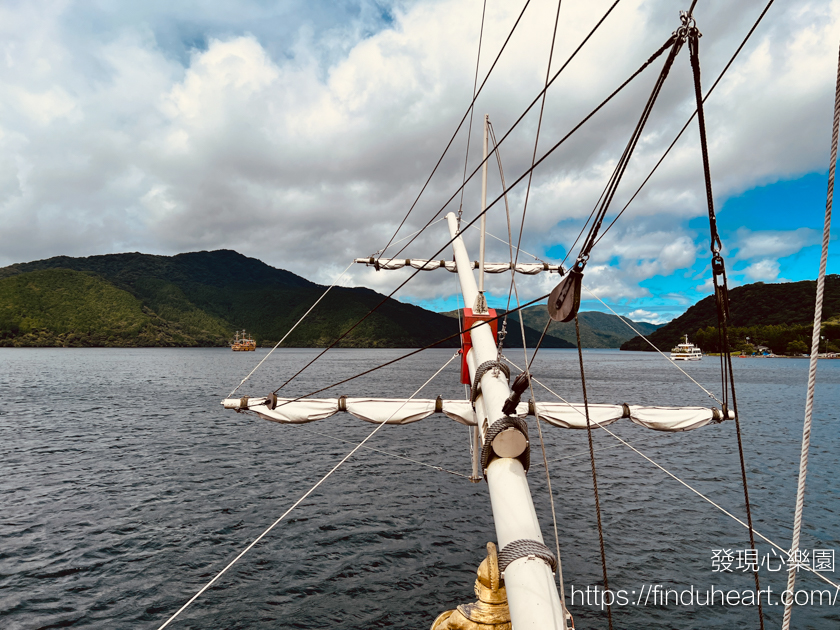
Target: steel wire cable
(472,110)
(302,498)
(458,128)
(480,214)
(688,122)
(523,114)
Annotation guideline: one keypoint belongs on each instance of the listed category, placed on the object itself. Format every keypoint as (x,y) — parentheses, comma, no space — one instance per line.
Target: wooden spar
(531,589)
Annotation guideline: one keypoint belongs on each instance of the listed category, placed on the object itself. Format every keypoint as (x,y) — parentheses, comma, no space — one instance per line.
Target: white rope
(407,237)
(242,382)
(694,490)
(301,499)
(378,450)
(705,498)
(815,350)
(501,240)
(670,360)
(604,448)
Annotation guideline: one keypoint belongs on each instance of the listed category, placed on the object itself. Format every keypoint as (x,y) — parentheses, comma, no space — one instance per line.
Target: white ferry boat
(686,351)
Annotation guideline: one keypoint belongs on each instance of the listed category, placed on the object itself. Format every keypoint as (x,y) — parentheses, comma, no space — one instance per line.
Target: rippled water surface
(125,487)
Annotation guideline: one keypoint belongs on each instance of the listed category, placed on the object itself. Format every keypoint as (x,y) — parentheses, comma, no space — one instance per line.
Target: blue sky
(300,133)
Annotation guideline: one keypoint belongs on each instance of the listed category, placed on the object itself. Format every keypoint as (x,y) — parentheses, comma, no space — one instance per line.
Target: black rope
(480,214)
(539,343)
(687,123)
(675,43)
(536,142)
(594,475)
(721,288)
(412,353)
(518,120)
(472,107)
(604,205)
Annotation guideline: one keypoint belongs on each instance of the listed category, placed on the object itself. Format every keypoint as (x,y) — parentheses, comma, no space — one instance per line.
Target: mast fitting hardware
(506,437)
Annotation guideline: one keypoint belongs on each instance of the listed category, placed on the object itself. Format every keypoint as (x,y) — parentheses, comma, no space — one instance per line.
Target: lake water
(125,487)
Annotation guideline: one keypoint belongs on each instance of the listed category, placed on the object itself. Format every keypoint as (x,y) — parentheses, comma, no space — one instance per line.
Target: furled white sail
(398,411)
(528,269)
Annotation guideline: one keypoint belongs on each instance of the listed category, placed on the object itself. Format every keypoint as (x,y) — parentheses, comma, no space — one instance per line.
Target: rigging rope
(277,345)
(594,475)
(719,507)
(455,134)
(670,360)
(815,349)
(527,109)
(501,240)
(721,288)
(480,214)
(513,261)
(536,140)
(673,476)
(379,252)
(472,110)
(405,356)
(302,498)
(675,43)
(688,122)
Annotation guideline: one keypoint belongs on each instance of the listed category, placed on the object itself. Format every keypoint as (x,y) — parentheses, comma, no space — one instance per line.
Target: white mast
(531,590)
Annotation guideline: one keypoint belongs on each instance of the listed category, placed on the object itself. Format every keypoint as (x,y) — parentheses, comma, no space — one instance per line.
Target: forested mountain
(774,315)
(199,299)
(597,330)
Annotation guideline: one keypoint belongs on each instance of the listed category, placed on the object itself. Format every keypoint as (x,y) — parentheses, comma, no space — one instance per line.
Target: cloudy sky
(300,132)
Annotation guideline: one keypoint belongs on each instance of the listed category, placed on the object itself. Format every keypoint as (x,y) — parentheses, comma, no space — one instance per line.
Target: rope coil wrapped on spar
(525,549)
(480,371)
(500,425)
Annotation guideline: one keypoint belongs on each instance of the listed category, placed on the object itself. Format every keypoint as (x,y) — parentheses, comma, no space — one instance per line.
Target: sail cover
(528,269)
(398,411)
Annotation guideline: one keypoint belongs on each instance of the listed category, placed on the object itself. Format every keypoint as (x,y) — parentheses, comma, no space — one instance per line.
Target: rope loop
(481,371)
(507,422)
(525,548)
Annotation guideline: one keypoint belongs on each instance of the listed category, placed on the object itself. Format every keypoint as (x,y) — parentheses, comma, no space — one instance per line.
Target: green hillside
(597,330)
(61,307)
(199,299)
(775,315)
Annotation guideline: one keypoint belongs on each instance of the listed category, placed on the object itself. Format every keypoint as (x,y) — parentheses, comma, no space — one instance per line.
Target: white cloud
(763,271)
(772,243)
(641,315)
(292,137)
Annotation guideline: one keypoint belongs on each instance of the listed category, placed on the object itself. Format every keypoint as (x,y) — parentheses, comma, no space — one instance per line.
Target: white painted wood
(531,589)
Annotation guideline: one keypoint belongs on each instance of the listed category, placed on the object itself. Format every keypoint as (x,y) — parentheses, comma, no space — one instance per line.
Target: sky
(301,132)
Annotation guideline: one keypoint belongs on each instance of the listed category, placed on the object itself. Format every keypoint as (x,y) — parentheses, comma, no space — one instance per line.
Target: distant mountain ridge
(597,330)
(199,299)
